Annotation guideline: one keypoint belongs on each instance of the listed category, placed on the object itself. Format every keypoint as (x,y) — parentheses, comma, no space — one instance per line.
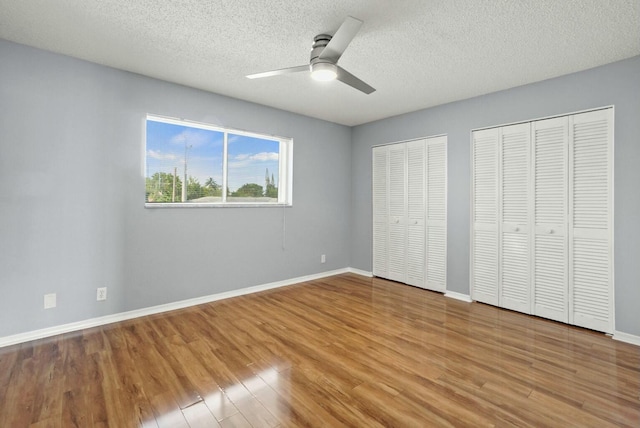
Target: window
(221,167)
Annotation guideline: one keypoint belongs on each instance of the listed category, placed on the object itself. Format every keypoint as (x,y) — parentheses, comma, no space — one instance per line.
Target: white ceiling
(416,53)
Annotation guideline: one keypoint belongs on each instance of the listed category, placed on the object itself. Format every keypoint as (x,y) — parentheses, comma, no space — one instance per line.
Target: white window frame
(285,166)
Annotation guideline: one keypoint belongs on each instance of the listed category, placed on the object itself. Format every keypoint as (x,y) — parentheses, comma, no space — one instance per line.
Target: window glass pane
(252,169)
(176,154)
(197,165)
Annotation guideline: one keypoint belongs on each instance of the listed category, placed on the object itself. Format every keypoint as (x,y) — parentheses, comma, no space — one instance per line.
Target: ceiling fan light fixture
(324,71)
(324,56)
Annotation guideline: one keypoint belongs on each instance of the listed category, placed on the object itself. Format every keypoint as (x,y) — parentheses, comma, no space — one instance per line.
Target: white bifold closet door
(415,245)
(436,214)
(542,212)
(484,241)
(549,275)
(514,275)
(397,251)
(380,203)
(409,212)
(591,220)
(500,263)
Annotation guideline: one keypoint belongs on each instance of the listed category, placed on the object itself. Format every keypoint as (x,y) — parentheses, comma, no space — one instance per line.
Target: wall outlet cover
(50,300)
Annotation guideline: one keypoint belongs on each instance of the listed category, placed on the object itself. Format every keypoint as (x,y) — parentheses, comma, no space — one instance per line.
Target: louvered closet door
(380,211)
(436,214)
(396,266)
(549,274)
(590,217)
(484,270)
(416,213)
(514,231)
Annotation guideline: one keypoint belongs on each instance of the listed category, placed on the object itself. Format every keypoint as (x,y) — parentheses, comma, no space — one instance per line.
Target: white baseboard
(458,296)
(360,272)
(123,316)
(626,337)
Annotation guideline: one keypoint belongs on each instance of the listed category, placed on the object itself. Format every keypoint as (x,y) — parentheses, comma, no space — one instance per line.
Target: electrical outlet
(323,258)
(102,293)
(50,300)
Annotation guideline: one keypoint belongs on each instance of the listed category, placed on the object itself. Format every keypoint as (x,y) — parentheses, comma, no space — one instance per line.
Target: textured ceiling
(416,53)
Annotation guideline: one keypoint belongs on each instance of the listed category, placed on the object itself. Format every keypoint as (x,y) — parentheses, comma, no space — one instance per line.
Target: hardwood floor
(341,351)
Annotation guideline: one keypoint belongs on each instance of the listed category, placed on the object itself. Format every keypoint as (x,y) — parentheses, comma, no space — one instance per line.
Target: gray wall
(615,84)
(72,214)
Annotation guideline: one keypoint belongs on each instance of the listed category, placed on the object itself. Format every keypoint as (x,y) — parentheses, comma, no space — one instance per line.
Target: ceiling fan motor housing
(319,43)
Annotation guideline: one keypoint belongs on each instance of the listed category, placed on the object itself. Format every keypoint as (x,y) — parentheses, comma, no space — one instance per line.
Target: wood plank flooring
(341,351)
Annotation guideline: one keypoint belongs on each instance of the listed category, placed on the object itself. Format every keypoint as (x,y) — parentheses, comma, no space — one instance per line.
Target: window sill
(215,205)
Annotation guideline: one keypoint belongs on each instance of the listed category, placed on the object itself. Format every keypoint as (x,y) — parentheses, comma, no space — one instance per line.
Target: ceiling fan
(325,53)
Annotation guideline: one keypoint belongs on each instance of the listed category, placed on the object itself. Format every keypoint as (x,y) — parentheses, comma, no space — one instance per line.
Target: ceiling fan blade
(279,72)
(345,77)
(339,42)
